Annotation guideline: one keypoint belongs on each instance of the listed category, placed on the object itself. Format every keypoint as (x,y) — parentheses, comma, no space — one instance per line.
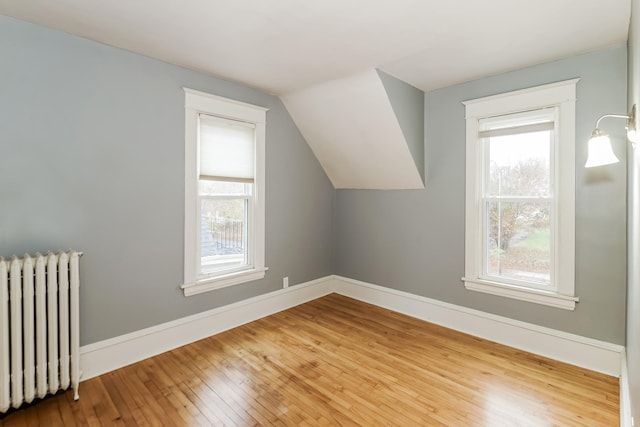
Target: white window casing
(215,108)
(560,96)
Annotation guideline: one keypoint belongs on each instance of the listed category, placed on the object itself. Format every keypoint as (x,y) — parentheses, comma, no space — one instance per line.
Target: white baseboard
(114,353)
(577,350)
(626,420)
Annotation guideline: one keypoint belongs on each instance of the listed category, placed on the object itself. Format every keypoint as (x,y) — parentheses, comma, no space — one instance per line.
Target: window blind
(517,123)
(226,149)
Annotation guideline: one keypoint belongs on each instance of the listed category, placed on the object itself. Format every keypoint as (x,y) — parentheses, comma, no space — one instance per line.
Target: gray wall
(92,158)
(408,106)
(414,240)
(633,292)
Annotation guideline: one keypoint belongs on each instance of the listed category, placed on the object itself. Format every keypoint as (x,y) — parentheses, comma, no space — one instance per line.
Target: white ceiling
(282,46)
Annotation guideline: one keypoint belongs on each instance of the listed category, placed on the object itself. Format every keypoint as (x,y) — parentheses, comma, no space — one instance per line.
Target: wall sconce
(599,152)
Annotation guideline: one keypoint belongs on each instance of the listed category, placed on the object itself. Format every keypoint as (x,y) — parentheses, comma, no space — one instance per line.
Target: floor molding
(626,420)
(577,350)
(108,355)
(114,353)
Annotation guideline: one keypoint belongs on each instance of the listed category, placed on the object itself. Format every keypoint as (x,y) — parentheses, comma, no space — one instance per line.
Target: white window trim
(197,102)
(563,96)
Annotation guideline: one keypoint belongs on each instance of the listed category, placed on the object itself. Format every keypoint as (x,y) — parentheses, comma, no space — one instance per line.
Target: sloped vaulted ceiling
(367,130)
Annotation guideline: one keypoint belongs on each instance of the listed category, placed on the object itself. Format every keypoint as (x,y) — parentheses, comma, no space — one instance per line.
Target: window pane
(519,165)
(223,234)
(518,241)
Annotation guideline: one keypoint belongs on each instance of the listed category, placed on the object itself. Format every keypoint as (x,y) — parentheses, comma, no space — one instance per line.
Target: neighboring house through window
(224,192)
(520,195)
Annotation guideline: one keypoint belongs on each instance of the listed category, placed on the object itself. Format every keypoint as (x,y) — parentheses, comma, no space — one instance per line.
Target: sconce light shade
(599,152)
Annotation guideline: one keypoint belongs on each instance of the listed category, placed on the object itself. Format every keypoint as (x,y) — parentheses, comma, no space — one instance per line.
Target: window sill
(530,295)
(218,282)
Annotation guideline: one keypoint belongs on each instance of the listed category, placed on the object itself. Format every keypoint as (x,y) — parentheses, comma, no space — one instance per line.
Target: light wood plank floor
(337,361)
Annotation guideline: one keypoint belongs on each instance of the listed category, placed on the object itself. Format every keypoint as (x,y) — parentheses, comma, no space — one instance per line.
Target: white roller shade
(517,123)
(226,149)
(515,130)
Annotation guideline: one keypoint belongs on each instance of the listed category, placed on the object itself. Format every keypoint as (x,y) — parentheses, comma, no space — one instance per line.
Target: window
(224,192)
(520,195)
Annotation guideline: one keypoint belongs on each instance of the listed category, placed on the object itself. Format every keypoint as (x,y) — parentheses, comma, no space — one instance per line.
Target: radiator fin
(5,373)
(15,299)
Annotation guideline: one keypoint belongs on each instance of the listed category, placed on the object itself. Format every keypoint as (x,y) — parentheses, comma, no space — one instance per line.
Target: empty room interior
(320,213)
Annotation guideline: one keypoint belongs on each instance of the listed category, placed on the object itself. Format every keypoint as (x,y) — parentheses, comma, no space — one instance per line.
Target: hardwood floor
(337,361)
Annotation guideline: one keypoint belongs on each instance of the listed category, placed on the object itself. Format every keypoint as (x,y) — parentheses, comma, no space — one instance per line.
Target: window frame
(197,103)
(562,96)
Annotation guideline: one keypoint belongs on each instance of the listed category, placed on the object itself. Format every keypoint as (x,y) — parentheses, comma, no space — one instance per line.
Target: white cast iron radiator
(39,327)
